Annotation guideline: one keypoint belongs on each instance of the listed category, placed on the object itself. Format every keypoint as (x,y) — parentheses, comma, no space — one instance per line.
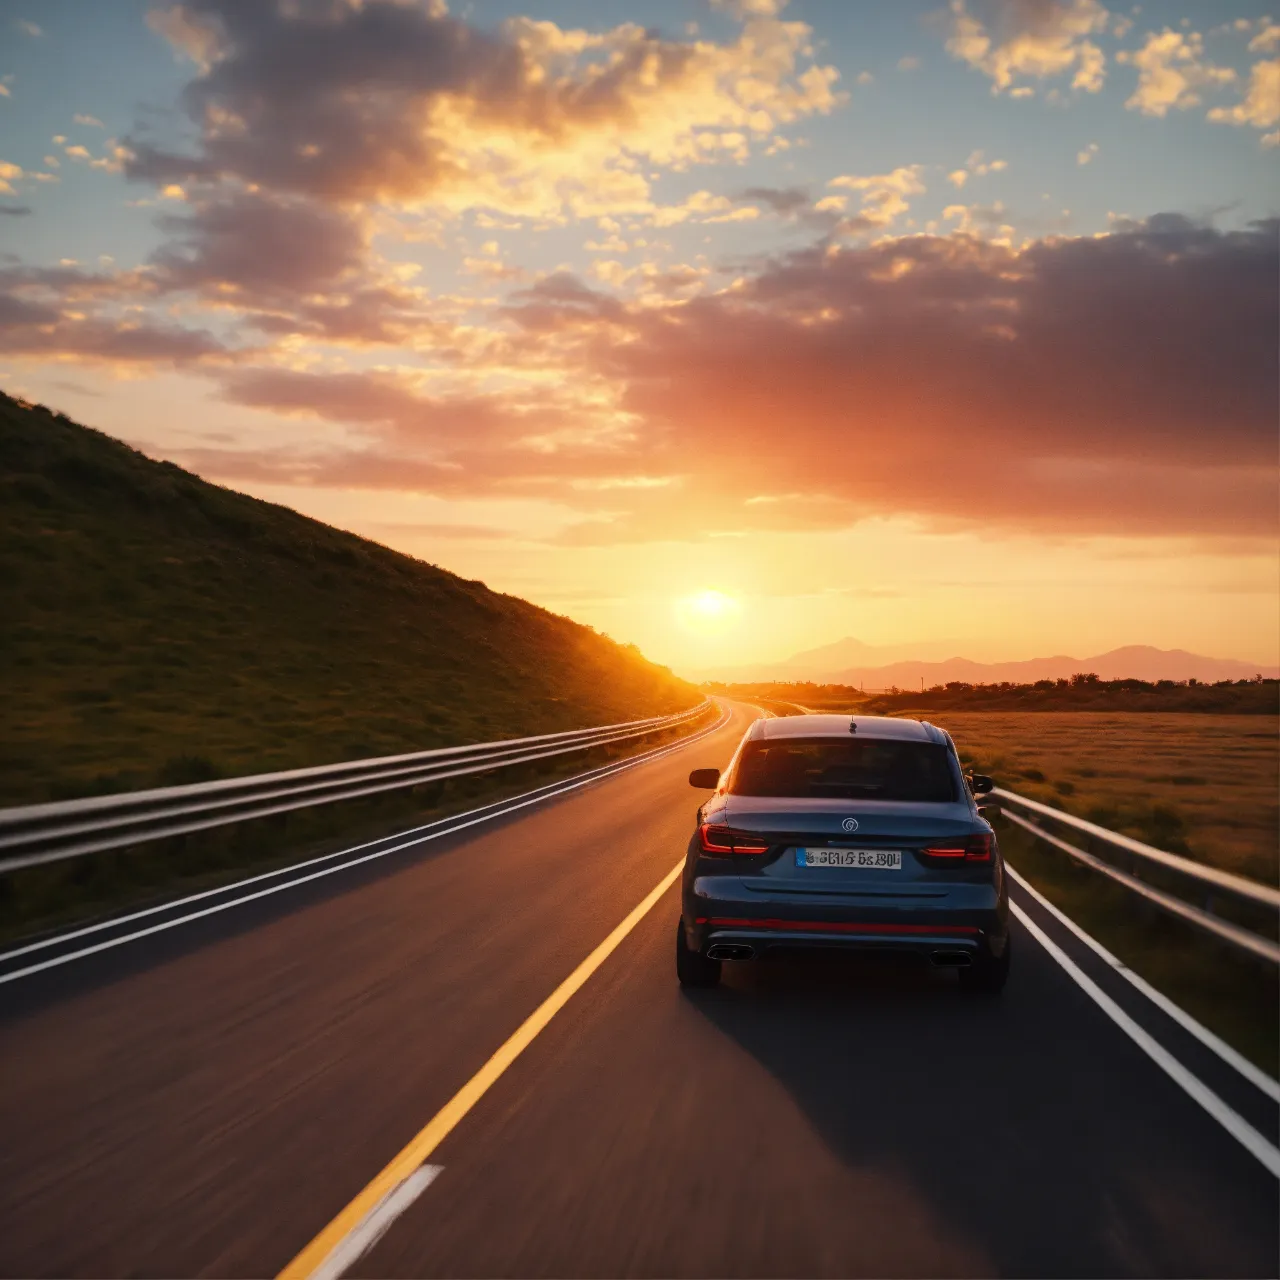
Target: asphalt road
(205,1100)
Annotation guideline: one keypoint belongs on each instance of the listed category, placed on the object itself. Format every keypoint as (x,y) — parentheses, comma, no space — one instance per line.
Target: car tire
(692,967)
(988,973)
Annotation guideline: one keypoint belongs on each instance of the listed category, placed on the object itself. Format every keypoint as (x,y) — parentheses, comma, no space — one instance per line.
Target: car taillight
(975,848)
(721,840)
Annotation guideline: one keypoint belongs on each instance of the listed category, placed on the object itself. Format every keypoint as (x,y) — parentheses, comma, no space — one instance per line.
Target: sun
(712,604)
(707,613)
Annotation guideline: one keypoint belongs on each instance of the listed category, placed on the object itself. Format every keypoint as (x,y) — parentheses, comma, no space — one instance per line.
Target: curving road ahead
(206,1098)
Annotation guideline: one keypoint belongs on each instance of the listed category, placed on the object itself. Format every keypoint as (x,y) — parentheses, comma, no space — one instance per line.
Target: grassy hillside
(158,628)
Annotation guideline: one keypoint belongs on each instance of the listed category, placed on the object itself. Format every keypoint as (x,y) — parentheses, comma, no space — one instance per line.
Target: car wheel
(987,973)
(692,967)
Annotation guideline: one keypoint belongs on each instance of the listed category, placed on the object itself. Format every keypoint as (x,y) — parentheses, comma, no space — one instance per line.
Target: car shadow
(1027,1122)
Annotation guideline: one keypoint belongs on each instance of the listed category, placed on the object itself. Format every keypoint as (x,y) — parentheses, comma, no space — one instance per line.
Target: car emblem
(850,824)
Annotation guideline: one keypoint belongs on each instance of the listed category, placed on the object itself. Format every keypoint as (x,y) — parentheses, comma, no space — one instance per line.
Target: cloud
(112,162)
(797,205)
(286,266)
(32,329)
(409,105)
(91,121)
(14,210)
(1260,106)
(957,381)
(782,200)
(1011,40)
(254,245)
(884,195)
(66,313)
(977,167)
(962,380)
(979,219)
(1171,72)
(1267,38)
(1086,154)
(28,28)
(744,9)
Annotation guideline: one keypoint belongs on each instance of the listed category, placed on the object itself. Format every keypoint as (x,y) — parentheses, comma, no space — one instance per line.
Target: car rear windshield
(844,769)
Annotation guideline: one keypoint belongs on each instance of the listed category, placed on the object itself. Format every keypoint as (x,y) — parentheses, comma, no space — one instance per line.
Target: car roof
(824,726)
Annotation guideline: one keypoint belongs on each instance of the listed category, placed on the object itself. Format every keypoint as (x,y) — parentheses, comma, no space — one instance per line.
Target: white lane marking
(487,813)
(315,1259)
(373,1226)
(1195,1088)
(1258,1078)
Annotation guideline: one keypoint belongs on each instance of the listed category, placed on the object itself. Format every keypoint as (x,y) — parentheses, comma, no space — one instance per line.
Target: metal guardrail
(39,833)
(1212,881)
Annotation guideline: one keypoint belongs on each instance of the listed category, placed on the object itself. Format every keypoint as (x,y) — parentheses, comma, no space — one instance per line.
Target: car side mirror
(979,784)
(707,779)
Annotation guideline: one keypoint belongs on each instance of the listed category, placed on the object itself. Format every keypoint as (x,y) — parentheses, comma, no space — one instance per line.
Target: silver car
(844,832)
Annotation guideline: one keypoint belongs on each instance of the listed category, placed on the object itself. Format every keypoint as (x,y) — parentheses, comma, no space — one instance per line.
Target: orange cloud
(1260,106)
(948,378)
(1011,40)
(1172,72)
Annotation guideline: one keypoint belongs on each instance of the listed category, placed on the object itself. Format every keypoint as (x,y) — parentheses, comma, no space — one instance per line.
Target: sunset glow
(729,328)
(708,616)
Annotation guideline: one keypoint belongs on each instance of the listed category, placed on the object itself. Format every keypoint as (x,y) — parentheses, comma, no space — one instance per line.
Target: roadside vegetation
(160,629)
(1082,692)
(1205,786)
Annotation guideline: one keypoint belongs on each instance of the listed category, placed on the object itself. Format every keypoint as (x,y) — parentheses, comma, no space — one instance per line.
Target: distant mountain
(839,656)
(849,661)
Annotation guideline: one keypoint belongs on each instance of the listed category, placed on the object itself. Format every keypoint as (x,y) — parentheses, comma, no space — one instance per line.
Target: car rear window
(844,769)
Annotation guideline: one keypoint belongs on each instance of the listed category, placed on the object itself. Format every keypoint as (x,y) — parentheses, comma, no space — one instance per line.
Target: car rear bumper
(954,928)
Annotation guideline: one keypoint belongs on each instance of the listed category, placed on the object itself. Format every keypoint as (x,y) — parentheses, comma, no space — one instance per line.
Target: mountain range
(876,667)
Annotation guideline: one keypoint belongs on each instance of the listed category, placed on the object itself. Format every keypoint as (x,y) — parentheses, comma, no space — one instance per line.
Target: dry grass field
(1204,785)
(1200,784)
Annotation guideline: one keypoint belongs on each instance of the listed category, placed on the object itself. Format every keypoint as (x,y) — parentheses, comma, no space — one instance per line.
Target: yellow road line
(407,1162)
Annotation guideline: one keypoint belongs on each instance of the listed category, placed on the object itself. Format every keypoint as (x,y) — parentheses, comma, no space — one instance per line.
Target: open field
(1207,786)
(1085,692)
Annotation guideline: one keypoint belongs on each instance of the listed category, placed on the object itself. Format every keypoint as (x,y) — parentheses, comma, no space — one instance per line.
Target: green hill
(158,628)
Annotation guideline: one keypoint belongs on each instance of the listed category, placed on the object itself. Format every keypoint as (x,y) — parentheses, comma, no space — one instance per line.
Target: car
(849,832)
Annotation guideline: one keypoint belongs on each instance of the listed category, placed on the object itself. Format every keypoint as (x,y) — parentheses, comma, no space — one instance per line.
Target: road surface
(204,1100)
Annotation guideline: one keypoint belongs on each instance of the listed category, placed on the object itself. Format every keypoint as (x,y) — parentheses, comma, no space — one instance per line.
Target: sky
(728,327)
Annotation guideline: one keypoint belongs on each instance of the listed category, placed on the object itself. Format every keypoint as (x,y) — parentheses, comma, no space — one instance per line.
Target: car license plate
(860,859)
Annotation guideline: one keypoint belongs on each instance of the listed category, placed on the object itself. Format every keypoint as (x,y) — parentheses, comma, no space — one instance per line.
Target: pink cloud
(1118,384)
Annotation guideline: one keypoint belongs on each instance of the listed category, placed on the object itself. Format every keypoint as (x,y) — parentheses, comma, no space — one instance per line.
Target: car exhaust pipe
(951,959)
(731,951)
